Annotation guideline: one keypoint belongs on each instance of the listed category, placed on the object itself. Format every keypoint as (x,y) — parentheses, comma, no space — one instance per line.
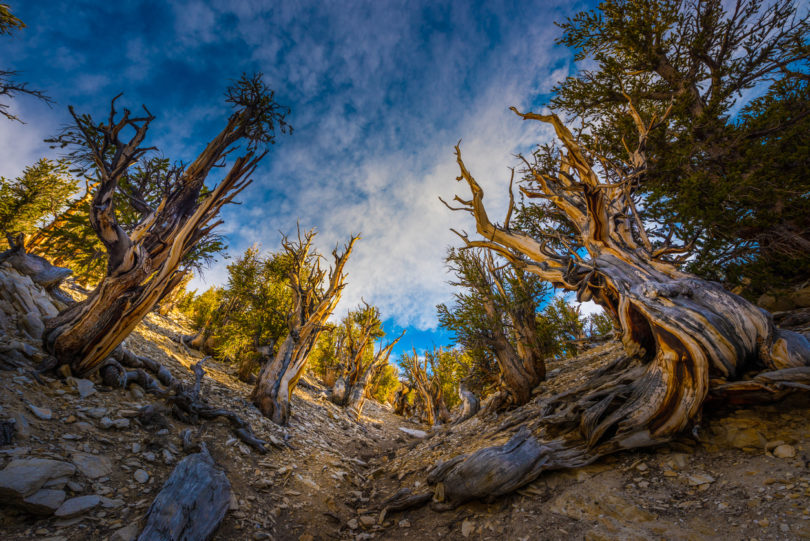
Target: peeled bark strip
(682,335)
(143,264)
(312,306)
(191,504)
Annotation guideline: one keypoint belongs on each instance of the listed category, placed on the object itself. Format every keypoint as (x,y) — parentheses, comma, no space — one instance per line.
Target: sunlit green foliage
(38,196)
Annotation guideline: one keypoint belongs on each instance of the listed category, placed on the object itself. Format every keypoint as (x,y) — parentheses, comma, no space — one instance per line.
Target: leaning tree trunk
(682,335)
(143,263)
(312,306)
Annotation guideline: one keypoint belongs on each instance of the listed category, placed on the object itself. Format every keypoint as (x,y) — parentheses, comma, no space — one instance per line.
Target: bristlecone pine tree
(365,372)
(423,376)
(498,311)
(358,366)
(144,264)
(311,307)
(684,337)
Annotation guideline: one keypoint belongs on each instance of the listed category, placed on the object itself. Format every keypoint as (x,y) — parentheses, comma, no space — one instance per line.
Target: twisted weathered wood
(143,263)
(125,368)
(682,335)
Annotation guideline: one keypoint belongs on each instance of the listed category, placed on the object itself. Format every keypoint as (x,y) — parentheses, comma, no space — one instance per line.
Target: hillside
(743,475)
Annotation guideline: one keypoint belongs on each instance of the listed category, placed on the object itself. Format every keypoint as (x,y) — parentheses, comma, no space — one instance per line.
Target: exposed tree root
(125,368)
(402,500)
(561,435)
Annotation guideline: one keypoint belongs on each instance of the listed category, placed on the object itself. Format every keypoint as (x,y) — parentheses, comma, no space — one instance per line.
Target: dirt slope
(726,485)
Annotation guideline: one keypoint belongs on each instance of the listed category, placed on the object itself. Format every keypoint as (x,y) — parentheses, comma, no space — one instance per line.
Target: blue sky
(380,92)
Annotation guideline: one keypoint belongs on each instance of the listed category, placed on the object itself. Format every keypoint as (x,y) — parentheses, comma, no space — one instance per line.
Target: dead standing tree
(143,264)
(311,307)
(683,337)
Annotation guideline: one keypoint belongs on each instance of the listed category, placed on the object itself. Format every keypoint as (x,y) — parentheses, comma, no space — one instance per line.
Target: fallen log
(192,502)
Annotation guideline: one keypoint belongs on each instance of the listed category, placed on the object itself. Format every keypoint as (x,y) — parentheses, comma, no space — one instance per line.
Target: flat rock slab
(77,506)
(42,413)
(92,466)
(84,387)
(23,477)
(43,502)
(414,432)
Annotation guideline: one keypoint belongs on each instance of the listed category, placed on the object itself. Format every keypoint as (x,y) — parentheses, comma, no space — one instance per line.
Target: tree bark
(312,306)
(142,264)
(682,335)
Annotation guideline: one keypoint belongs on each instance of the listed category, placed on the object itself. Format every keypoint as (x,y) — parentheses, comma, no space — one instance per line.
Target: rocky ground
(81,465)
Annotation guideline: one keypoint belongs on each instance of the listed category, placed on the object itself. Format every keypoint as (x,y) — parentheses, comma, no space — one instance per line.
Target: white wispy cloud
(380,91)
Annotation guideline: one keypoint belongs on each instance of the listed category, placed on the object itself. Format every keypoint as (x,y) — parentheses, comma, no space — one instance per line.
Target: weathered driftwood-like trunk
(469,403)
(682,335)
(143,263)
(192,502)
(124,368)
(312,306)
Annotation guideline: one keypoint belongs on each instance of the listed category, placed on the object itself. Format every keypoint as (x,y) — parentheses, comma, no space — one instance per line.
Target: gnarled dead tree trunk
(312,305)
(143,263)
(682,335)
